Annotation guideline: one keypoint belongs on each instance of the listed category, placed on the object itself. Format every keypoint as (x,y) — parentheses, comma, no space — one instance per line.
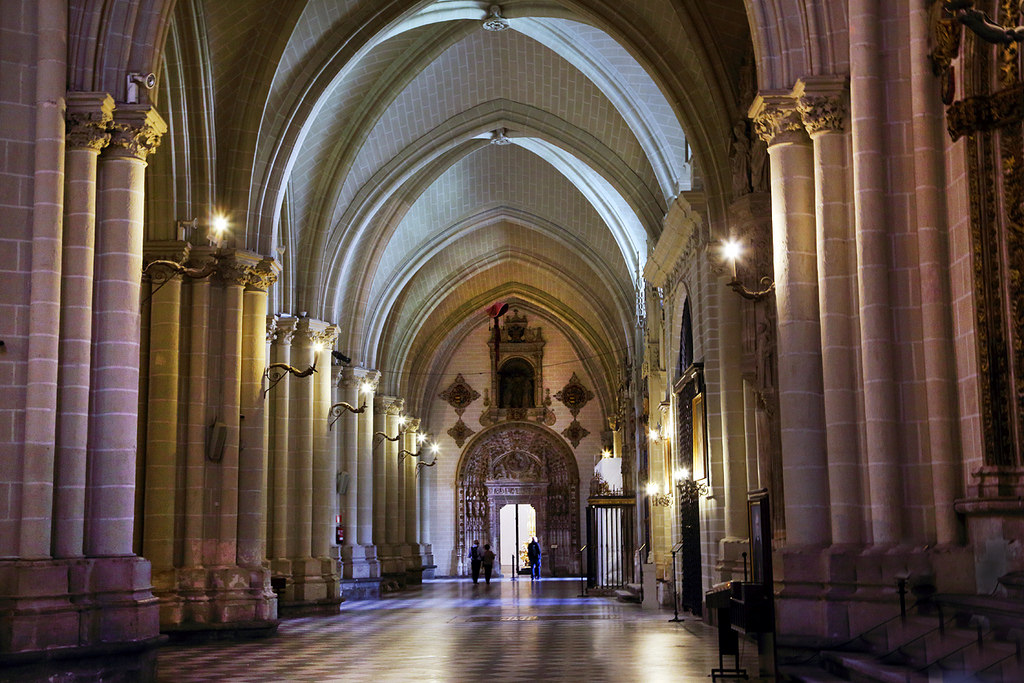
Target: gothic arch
(520,462)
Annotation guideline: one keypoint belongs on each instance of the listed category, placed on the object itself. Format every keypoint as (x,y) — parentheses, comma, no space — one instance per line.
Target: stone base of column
(359,562)
(392,564)
(311,585)
(56,610)
(731,564)
(429,565)
(825,596)
(216,602)
(416,564)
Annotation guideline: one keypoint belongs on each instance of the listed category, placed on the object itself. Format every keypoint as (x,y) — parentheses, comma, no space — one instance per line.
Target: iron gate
(611,541)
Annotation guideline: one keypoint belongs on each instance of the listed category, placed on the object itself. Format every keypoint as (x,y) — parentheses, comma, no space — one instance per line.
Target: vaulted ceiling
(355,137)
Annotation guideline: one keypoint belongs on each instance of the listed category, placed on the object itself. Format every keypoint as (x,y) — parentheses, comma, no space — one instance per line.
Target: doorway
(517,524)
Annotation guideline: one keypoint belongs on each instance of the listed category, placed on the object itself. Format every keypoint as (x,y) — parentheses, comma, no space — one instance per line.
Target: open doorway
(517,525)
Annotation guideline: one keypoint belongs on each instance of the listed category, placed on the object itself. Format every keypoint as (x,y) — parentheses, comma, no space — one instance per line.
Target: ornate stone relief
(777,120)
(459,395)
(990,117)
(574,395)
(459,432)
(575,433)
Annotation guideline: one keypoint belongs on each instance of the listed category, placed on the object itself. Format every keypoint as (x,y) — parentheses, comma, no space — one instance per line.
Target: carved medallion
(574,395)
(459,395)
(575,433)
(459,432)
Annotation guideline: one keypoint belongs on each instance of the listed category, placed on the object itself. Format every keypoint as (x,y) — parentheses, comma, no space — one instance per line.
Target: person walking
(475,558)
(488,562)
(533,554)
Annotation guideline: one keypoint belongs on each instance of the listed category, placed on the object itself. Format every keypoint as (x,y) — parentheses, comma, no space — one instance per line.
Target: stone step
(629,593)
(803,673)
(866,668)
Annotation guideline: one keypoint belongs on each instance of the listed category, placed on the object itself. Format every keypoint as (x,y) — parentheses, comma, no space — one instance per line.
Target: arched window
(685,340)
(515,384)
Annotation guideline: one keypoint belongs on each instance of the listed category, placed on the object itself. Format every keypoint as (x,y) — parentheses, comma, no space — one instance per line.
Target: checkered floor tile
(455,631)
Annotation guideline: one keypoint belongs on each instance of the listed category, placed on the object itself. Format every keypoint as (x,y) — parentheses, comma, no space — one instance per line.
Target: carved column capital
(412,424)
(136,132)
(271,328)
(822,102)
(286,330)
(777,120)
(88,119)
(263,274)
(396,407)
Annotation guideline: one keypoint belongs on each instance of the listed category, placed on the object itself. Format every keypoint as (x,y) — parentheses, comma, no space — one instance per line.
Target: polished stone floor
(451,630)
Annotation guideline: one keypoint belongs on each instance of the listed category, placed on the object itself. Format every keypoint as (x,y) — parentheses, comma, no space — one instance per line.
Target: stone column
(394,425)
(868,104)
(366,441)
(801,405)
(280,444)
(348,428)
(113,429)
(300,489)
(822,105)
(89,115)
(411,502)
(253,451)
(161,461)
(234,275)
(324,457)
(933,254)
(195,449)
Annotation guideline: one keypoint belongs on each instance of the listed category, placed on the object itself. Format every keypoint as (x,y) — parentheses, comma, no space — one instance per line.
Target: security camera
(135,79)
(340,357)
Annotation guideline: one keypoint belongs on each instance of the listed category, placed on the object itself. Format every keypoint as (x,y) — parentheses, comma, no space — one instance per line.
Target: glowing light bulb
(654,435)
(435,449)
(366,388)
(652,489)
(606,453)
(420,438)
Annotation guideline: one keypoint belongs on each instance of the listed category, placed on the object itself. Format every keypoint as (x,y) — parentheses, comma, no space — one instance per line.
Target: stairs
(631,592)
(952,638)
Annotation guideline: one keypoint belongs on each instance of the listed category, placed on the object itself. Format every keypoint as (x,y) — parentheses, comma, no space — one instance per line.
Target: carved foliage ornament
(776,123)
(574,395)
(822,113)
(459,395)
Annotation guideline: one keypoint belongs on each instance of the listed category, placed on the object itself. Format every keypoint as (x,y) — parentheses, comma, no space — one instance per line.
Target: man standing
(474,560)
(533,554)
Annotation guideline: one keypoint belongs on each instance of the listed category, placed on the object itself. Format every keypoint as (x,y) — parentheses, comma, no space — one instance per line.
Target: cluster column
(89,115)
(822,105)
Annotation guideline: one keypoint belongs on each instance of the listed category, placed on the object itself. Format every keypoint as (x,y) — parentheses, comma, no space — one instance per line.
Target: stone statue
(982,25)
(740,159)
(759,177)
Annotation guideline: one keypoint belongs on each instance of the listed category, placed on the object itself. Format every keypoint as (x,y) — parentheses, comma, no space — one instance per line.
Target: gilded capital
(263,274)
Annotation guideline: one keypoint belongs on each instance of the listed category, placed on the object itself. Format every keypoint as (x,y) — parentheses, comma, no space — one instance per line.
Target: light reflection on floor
(451,630)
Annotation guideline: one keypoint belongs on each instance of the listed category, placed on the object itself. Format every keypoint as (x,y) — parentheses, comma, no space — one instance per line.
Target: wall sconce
(218,230)
(338,408)
(606,453)
(276,372)
(177,268)
(657,498)
(731,252)
(426,464)
(434,448)
(689,490)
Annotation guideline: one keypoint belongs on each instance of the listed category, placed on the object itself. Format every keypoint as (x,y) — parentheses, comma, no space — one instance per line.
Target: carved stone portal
(526,464)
